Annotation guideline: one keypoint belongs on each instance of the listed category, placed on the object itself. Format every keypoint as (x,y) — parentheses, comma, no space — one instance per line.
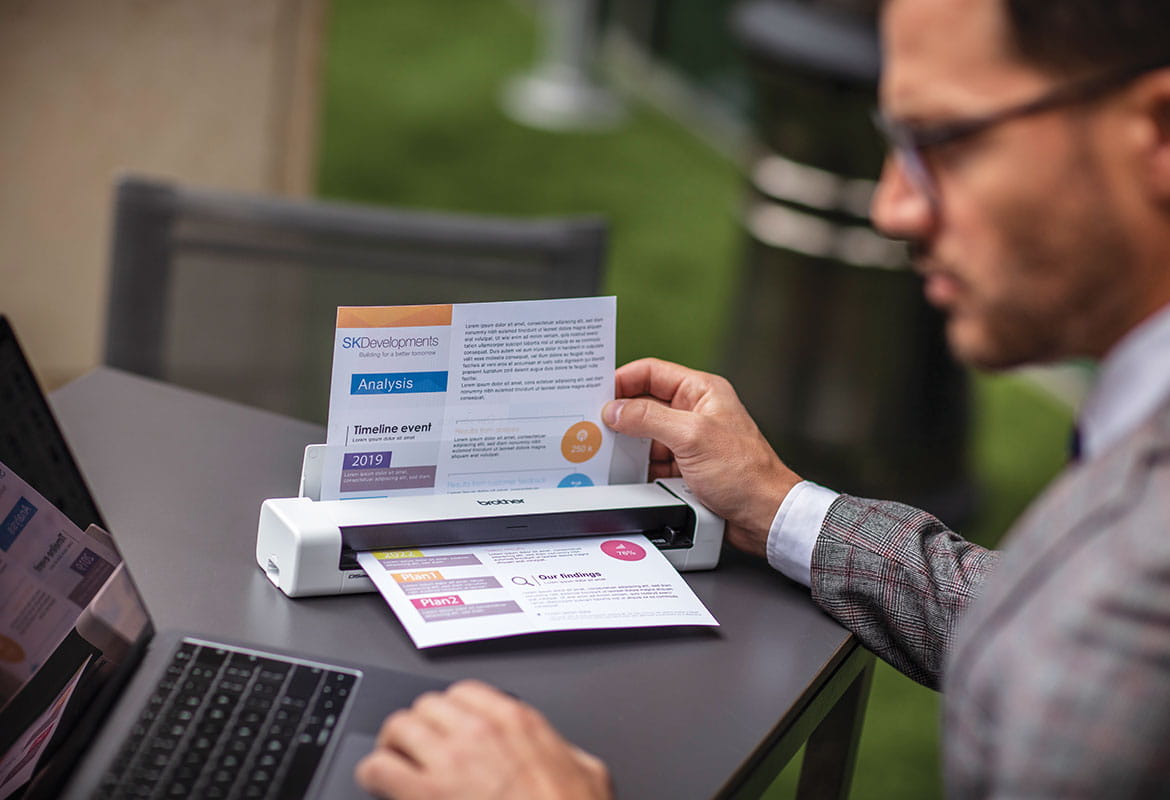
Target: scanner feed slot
(667,527)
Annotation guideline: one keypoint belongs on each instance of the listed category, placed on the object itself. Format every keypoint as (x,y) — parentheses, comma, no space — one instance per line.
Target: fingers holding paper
(473,741)
(703,433)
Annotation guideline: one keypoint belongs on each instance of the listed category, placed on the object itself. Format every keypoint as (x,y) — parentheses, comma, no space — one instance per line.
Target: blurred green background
(412,118)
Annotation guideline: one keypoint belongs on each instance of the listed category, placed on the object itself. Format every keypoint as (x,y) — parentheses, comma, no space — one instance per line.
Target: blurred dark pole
(833,348)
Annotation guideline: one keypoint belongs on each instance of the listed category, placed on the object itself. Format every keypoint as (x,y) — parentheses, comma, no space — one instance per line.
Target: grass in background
(411,119)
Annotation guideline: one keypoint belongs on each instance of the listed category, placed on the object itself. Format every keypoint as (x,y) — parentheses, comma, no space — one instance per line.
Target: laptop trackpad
(339,783)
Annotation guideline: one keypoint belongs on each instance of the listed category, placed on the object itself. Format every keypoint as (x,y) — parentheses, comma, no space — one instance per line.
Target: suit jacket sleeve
(898,579)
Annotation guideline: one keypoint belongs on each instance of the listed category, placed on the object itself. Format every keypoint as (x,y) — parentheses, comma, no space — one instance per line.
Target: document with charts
(464,593)
(468,397)
(49,570)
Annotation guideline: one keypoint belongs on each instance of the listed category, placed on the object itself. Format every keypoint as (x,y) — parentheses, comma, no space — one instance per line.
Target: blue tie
(1074,445)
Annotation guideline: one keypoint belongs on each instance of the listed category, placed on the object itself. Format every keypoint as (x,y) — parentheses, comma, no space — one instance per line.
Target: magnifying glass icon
(522,581)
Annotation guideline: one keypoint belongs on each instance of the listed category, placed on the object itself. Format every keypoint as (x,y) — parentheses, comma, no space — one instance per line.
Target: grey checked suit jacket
(1053,655)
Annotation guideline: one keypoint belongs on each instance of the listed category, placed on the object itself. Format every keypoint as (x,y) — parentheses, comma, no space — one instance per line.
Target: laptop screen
(31,444)
(72,624)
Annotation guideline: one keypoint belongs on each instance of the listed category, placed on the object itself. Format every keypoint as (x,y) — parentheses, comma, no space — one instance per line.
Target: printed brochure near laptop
(464,593)
(469,396)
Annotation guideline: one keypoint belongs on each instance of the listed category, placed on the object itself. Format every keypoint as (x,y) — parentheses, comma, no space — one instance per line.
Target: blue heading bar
(398,383)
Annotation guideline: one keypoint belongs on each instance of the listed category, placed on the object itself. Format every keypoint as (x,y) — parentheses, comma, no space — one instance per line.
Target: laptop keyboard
(228,723)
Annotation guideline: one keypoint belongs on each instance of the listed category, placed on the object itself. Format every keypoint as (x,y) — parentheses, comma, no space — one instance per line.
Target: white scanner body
(309,547)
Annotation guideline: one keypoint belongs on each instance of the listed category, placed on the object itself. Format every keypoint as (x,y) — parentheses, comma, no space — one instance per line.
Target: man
(1030,173)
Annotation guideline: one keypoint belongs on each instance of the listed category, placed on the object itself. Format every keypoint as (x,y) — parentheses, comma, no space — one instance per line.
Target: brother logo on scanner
(309,547)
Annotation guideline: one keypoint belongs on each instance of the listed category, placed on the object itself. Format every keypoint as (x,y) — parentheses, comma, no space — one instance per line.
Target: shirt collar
(1132,382)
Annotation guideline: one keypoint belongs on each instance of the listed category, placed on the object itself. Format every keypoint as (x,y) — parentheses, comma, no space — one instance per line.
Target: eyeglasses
(911,142)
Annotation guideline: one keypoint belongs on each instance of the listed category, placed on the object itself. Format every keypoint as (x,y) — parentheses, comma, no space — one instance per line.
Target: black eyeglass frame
(913,141)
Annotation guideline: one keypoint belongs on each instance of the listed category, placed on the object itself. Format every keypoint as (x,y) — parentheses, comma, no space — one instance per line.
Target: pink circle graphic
(623,551)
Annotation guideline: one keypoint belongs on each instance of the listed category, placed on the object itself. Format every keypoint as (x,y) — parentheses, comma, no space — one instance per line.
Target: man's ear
(1152,94)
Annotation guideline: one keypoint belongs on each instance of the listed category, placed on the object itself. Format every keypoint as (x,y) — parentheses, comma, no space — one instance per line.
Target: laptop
(100,705)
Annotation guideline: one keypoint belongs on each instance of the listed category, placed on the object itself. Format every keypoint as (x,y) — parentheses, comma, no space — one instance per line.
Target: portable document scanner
(309,547)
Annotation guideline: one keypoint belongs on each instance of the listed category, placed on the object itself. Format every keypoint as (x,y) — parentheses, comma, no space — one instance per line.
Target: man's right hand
(702,432)
(473,742)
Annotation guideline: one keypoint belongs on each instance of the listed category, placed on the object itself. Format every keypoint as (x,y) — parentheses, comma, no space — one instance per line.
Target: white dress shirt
(1133,381)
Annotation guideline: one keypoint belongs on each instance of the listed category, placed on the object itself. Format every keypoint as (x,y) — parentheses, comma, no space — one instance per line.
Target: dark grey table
(676,713)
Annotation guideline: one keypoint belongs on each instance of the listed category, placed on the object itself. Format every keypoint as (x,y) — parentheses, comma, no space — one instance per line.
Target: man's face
(1021,247)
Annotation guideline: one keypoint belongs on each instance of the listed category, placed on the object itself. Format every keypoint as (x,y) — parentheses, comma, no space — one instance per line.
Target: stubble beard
(1071,296)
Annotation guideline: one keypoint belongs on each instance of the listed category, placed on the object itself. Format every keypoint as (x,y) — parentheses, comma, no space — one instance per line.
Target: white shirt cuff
(795,529)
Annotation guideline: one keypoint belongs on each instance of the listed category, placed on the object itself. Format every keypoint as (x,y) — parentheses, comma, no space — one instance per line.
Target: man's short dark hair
(1073,37)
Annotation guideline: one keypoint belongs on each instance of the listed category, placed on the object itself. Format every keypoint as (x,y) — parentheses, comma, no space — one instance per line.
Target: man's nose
(901,209)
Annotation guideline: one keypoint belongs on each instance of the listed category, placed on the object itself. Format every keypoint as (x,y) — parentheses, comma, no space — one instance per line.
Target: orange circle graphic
(581,442)
(10,650)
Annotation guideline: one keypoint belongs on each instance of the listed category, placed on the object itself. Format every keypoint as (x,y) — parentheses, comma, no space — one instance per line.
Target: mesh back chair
(236,295)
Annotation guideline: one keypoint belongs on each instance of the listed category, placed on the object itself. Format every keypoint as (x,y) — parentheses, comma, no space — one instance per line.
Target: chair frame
(148,211)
